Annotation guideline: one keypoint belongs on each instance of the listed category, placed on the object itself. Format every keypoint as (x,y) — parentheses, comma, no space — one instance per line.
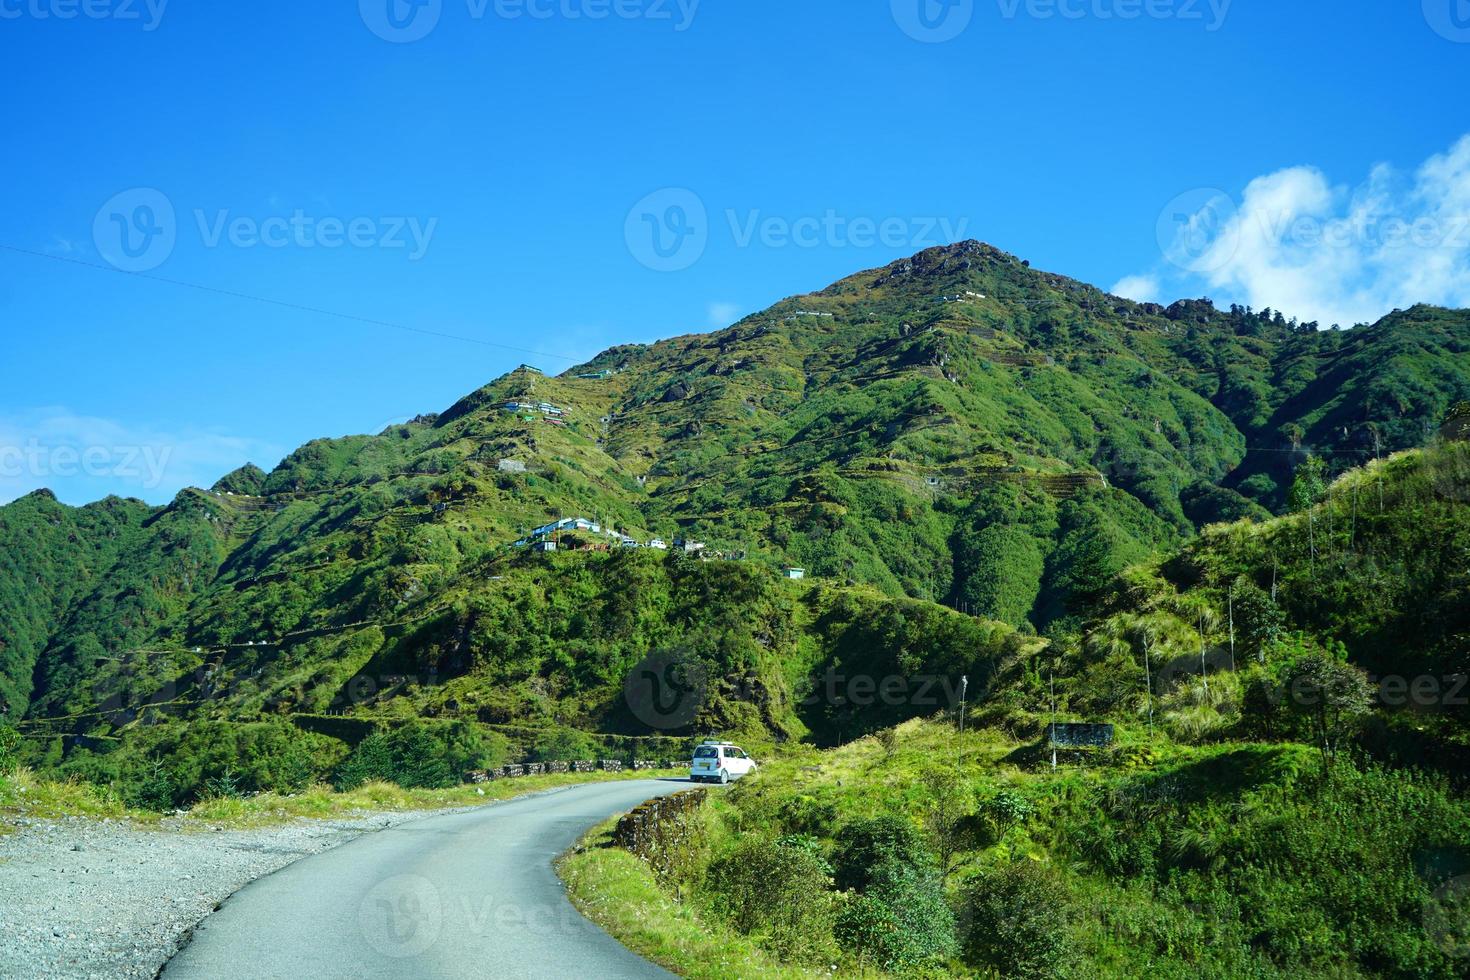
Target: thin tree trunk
(1353,535)
(1204,672)
(1232,627)
(1148,678)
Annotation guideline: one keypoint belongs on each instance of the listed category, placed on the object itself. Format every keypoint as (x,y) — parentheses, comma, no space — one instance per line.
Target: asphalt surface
(469,894)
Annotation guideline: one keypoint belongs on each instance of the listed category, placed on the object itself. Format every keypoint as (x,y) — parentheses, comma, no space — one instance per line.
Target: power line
(298,307)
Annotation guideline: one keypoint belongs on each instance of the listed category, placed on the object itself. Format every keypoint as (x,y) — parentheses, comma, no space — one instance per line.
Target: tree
(1006,567)
(1308,485)
(1259,620)
(1018,921)
(901,920)
(865,844)
(1330,695)
(779,889)
(949,817)
(1307,488)
(1456,427)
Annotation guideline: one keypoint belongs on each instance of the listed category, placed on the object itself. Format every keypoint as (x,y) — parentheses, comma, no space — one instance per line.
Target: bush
(901,921)
(155,790)
(1016,921)
(865,845)
(418,756)
(564,745)
(9,749)
(778,891)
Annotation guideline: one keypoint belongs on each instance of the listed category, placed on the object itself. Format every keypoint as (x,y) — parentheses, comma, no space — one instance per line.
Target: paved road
(468,894)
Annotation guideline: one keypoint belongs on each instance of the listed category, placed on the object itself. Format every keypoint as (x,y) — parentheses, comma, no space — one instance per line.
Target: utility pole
(1054,717)
(964,686)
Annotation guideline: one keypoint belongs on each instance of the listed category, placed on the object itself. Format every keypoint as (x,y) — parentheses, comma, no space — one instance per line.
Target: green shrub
(564,745)
(780,892)
(808,844)
(864,845)
(901,921)
(155,790)
(418,756)
(208,758)
(10,742)
(1016,921)
(804,814)
(226,785)
(868,928)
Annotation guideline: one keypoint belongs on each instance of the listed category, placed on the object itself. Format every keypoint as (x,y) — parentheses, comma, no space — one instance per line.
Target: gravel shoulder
(85,898)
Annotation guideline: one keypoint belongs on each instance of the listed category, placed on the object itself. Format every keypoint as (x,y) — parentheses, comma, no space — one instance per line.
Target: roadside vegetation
(1284,794)
(24,794)
(913,853)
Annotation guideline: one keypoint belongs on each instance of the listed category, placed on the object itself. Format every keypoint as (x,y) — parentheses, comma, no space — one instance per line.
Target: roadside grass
(23,794)
(619,892)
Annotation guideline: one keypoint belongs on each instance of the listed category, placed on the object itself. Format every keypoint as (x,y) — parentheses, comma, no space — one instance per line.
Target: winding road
(468,894)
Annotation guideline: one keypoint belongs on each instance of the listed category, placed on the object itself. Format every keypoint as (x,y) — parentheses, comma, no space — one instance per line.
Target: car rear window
(705,752)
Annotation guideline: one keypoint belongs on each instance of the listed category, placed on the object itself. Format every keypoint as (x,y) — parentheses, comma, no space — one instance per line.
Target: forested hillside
(954,429)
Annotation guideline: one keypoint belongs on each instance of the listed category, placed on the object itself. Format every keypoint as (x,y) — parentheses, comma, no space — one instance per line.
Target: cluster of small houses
(530,411)
(547,538)
(538,768)
(583,534)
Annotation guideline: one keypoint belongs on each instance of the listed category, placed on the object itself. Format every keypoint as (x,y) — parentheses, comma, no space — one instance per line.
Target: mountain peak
(248,480)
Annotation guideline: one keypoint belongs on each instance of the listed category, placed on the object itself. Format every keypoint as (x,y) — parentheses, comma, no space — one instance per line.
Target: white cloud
(1140,289)
(723,314)
(83,458)
(1297,242)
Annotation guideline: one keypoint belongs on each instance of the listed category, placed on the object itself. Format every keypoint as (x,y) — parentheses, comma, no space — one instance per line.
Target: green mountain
(955,429)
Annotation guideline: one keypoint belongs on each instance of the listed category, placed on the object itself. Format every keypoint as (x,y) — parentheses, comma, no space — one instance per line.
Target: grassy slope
(618,892)
(1232,859)
(1195,848)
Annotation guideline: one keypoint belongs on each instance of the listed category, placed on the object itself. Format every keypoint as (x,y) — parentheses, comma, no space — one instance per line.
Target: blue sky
(501,178)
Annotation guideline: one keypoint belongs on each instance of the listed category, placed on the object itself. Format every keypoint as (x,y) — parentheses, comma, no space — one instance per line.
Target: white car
(720,762)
